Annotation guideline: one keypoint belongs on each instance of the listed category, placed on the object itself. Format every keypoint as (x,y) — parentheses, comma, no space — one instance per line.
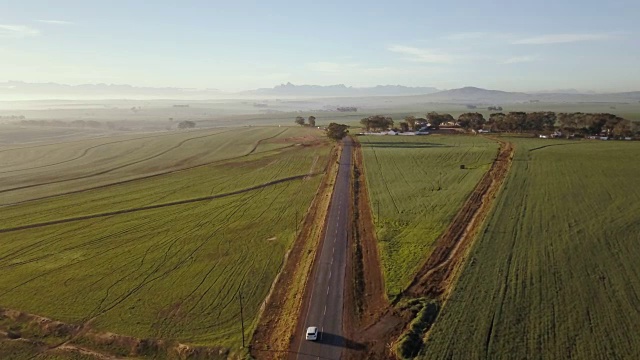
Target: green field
(416,186)
(172,272)
(555,273)
(42,170)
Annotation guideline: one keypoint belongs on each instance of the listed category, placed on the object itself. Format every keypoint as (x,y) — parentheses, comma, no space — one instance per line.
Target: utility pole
(241,316)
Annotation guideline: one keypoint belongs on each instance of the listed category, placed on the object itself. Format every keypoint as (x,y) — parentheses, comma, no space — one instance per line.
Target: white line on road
(328,287)
(325,311)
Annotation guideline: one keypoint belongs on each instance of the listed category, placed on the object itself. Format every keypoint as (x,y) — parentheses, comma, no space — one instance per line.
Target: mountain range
(290,89)
(18,90)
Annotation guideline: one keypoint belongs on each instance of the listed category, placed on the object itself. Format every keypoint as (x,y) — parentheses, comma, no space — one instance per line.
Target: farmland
(416,186)
(554,273)
(42,170)
(202,217)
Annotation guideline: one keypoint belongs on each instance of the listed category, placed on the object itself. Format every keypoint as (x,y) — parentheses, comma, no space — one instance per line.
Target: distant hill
(20,89)
(477,95)
(474,95)
(339,90)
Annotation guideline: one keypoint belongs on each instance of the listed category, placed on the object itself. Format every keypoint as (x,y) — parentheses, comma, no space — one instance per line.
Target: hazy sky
(236,45)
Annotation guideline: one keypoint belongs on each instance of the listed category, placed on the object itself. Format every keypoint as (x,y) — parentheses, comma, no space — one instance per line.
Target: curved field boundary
(86,151)
(157,206)
(143,160)
(26,146)
(111,169)
(550,145)
(145,177)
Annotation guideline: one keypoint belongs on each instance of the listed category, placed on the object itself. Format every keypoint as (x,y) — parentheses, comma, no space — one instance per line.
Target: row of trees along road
(576,123)
(301,121)
(377,122)
(337,131)
(410,123)
(334,130)
(516,121)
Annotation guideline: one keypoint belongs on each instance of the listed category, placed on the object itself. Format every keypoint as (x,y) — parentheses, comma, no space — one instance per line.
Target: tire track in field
(86,151)
(550,145)
(116,246)
(145,177)
(166,324)
(90,139)
(46,241)
(153,274)
(384,180)
(111,169)
(220,307)
(157,206)
(141,259)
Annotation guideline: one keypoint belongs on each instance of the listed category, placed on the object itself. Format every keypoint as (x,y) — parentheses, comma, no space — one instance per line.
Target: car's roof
(312,329)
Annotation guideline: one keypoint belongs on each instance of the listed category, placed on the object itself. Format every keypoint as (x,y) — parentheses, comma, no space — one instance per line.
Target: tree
(496,121)
(299,120)
(436,119)
(378,122)
(312,121)
(186,124)
(622,128)
(515,120)
(473,121)
(539,121)
(411,121)
(404,126)
(337,131)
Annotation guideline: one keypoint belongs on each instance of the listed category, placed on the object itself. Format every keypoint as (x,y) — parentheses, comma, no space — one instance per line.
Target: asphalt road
(325,306)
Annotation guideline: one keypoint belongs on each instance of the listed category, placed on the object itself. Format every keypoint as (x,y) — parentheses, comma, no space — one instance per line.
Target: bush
(410,343)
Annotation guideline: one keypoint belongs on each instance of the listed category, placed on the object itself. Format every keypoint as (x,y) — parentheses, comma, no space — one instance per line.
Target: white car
(312,333)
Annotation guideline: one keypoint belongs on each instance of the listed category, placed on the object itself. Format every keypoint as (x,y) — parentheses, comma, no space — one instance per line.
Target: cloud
(17,31)
(422,55)
(560,39)
(518,60)
(55,22)
(466,36)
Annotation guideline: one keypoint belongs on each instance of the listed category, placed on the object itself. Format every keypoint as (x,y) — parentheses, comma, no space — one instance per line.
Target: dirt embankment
(434,277)
(437,276)
(46,336)
(365,296)
(281,310)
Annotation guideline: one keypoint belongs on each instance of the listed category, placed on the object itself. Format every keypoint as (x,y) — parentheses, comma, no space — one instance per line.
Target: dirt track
(437,276)
(365,292)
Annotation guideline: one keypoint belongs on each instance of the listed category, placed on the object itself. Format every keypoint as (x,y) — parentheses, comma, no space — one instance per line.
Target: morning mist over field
(304,180)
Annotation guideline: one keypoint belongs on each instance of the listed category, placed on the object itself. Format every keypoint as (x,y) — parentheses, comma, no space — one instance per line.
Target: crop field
(41,170)
(416,186)
(167,256)
(555,272)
